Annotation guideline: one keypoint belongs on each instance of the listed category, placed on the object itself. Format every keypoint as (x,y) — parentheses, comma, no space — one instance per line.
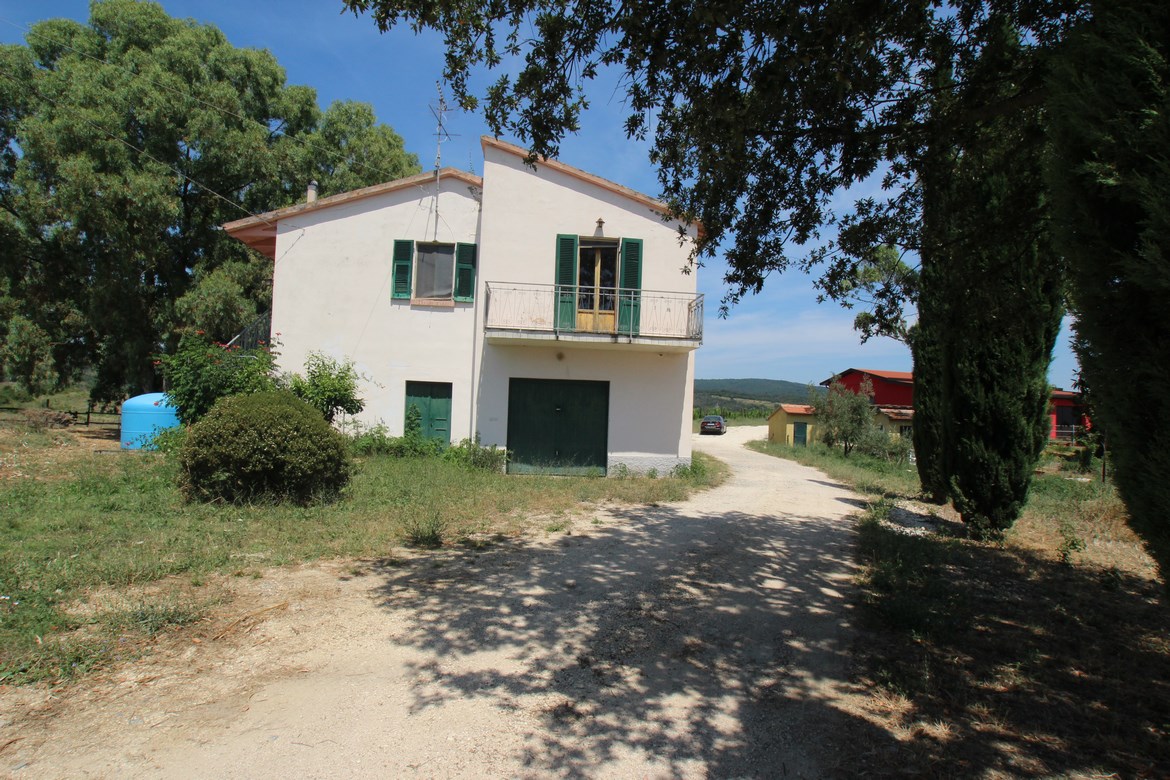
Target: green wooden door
(800,433)
(433,400)
(558,426)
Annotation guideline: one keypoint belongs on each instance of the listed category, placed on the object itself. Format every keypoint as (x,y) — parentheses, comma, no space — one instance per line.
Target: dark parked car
(713,423)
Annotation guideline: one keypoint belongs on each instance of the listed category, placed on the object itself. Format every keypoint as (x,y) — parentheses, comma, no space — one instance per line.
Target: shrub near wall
(268,446)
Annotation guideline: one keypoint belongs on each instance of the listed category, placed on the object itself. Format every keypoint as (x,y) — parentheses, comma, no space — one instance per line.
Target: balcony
(539,314)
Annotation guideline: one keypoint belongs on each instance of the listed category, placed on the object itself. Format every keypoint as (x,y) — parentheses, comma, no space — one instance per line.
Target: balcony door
(598,284)
(597,273)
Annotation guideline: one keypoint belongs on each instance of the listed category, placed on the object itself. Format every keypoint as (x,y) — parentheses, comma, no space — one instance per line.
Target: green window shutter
(566,280)
(566,259)
(632,263)
(465,272)
(630,297)
(403,262)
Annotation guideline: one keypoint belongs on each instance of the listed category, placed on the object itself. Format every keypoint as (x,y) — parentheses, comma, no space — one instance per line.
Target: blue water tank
(143,416)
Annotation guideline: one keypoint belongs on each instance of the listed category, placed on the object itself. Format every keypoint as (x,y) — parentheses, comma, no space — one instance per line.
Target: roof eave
(259,230)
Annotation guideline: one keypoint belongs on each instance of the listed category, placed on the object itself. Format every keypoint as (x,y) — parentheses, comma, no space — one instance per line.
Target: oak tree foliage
(124,144)
(759,112)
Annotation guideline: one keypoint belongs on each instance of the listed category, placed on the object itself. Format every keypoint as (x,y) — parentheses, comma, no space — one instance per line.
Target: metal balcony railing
(557,308)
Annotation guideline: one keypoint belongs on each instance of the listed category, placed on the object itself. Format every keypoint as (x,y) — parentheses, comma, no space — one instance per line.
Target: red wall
(885,392)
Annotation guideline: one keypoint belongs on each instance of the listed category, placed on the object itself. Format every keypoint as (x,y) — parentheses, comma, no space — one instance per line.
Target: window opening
(435,270)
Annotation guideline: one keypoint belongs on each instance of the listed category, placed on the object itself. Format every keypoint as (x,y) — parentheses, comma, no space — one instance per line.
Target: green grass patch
(150,618)
(73,521)
(865,474)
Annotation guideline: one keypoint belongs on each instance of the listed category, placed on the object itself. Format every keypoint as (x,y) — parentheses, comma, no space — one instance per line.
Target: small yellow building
(792,424)
(893,420)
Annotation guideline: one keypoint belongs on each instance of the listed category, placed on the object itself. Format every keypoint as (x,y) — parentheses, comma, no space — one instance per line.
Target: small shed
(792,424)
(895,419)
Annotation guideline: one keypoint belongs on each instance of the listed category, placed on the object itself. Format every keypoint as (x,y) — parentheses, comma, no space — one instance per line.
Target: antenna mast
(441,135)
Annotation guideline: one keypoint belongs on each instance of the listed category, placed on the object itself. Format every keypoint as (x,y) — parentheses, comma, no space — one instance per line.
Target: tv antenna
(441,135)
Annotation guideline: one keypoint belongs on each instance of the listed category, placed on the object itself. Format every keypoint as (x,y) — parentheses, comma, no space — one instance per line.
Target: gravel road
(706,638)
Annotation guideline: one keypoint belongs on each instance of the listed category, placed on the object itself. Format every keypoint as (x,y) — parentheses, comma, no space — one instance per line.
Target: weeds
(150,619)
(1070,542)
(424,530)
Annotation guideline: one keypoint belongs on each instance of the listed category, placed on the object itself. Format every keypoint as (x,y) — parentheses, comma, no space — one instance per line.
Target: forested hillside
(747,397)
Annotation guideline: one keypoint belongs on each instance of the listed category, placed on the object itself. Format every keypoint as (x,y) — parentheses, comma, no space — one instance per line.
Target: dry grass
(1030,666)
(1046,655)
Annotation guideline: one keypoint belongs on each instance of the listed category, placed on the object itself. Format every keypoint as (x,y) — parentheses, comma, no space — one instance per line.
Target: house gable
(525,210)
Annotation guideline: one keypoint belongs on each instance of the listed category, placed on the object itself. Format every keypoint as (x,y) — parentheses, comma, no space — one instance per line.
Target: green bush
(369,441)
(13,394)
(26,353)
(472,454)
(696,470)
(378,441)
(168,441)
(877,443)
(202,372)
(268,446)
(329,386)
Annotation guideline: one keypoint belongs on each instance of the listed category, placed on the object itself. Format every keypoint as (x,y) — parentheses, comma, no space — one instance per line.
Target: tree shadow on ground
(1006,662)
(696,644)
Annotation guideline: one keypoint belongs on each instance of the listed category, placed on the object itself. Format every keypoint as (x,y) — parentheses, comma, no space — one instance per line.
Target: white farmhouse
(549,311)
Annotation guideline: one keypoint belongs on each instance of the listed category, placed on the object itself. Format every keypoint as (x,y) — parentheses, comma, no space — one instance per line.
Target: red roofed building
(895,389)
(1066,415)
(890,388)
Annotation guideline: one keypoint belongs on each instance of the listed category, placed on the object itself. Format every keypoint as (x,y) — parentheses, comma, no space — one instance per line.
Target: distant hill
(753,397)
(773,390)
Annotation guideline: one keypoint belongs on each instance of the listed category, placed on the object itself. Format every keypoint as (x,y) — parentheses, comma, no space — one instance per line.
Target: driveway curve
(706,638)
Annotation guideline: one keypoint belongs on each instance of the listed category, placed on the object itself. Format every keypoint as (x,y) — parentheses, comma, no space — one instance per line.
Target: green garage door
(433,400)
(557,426)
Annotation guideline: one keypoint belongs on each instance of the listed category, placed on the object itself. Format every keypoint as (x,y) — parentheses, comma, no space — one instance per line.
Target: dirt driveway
(706,638)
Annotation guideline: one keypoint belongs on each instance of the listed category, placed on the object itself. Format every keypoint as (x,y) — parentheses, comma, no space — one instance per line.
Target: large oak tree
(124,144)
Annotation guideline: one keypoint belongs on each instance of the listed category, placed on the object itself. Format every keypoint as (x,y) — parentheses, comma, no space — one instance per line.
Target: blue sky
(782,333)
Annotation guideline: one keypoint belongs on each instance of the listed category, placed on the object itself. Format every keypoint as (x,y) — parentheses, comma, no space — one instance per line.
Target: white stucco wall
(332,294)
(650,392)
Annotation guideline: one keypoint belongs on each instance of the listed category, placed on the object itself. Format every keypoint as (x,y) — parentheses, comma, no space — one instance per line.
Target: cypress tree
(989,309)
(1000,347)
(928,343)
(1110,178)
